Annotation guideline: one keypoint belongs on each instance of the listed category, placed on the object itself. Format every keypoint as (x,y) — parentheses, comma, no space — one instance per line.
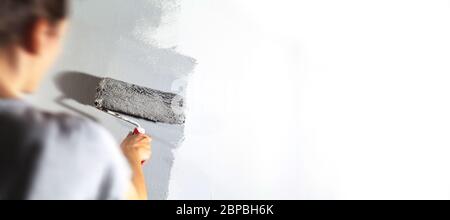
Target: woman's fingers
(142,136)
(143,143)
(145,154)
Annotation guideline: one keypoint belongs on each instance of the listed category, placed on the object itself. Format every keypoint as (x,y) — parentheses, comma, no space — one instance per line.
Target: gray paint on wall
(105,39)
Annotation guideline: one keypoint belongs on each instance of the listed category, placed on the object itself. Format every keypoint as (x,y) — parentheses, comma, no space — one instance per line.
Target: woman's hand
(137,148)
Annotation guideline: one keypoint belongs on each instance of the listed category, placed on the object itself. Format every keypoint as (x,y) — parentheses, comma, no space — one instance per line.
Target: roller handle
(139,130)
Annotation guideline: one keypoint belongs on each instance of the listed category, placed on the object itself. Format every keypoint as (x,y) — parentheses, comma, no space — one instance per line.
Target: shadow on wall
(77,86)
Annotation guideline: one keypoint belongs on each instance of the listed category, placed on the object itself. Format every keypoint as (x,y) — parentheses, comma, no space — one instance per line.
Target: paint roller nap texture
(141,102)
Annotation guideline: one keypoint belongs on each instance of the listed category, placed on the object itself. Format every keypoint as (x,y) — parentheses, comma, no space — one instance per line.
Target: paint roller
(119,98)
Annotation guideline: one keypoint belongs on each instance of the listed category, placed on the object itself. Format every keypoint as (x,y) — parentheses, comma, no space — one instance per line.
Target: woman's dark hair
(16,16)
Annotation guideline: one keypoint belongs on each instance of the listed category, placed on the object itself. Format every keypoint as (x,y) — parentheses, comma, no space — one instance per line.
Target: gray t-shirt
(57,156)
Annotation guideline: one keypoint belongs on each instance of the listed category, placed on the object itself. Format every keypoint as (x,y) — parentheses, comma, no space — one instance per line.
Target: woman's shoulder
(63,151)
(29,117)
(55,129)
(79,132)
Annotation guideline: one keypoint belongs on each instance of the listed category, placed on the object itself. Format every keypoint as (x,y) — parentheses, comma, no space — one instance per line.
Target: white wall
(315,99)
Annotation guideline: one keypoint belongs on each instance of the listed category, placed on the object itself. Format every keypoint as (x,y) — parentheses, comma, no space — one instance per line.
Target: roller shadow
(77,86)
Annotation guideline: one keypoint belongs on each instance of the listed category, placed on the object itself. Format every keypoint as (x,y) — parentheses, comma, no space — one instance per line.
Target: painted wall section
(119,39)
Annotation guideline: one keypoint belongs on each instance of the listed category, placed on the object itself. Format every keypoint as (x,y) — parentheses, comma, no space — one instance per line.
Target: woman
(54,156)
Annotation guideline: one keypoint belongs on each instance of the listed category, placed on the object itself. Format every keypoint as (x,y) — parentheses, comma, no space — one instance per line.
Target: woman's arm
(137,148)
